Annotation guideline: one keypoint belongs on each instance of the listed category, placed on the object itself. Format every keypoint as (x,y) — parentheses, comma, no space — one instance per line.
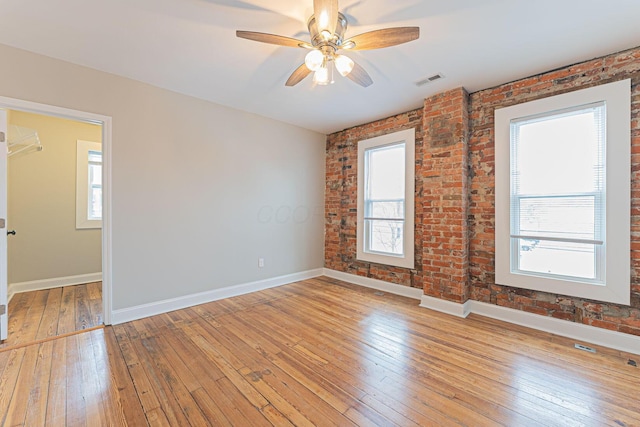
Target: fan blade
(360,76)
(383,38)
(326,14)
(272,39)
(298,75)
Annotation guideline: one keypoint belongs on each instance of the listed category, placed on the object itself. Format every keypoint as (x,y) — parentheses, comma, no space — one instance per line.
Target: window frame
(598,197)
(407,259)
(615,280)
(82,184)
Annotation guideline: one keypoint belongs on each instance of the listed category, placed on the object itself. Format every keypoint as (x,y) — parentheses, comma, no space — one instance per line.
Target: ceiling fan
(327,27)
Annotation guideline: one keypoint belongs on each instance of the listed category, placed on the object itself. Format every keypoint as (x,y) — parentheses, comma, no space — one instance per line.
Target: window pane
(384,236)
(558,217)
(385,173)
(95,203)
(558,258)
(95,174)
(95,156)
(391,209)
(560,154)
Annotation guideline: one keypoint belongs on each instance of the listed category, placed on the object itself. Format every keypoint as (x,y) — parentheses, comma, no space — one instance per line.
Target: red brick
(455,195)
(563,315)
(629,330)
(601,324)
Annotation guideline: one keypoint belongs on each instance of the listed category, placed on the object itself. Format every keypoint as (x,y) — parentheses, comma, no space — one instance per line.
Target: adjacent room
(54,259)
(351,213)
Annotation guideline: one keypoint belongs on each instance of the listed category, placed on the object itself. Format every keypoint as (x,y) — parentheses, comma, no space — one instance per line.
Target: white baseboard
(448,307)
(380,285)
(165,306)
(578,331)
(585,333)
(56,282)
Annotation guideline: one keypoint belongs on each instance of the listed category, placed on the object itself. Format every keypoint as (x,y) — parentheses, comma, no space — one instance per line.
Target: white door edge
(3,231)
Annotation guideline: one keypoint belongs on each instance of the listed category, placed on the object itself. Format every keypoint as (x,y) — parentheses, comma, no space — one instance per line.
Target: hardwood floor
(39,315)
(317,352)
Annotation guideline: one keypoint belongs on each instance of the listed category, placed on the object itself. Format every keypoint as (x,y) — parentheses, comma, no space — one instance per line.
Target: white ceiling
(189,46)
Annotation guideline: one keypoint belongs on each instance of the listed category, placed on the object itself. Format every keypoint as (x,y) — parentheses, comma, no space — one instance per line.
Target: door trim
(105,122)
(4,285)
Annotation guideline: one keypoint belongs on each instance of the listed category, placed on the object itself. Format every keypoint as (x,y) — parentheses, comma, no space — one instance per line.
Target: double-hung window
(385,228)
(558,193)
(88,185)
(94,202)
(562,194)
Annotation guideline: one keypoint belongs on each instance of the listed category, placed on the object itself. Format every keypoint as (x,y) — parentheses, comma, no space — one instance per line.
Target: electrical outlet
(260,262)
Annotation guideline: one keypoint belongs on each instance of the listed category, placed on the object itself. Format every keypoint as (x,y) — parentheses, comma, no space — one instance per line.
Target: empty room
(319,212)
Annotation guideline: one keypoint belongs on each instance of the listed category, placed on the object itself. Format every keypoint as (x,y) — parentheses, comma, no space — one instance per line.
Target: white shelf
(21,139)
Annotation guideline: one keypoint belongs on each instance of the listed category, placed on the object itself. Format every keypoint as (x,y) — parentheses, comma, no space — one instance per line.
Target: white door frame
(105,121)
(4,302)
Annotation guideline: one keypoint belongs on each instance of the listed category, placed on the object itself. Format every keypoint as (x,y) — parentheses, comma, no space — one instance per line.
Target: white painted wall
(200,191)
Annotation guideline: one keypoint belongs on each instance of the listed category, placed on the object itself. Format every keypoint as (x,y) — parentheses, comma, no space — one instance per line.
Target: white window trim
(408,137)
(82,184)
(616,288)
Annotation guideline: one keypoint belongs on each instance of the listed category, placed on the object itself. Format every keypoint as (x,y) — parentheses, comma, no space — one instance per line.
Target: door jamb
(105,121)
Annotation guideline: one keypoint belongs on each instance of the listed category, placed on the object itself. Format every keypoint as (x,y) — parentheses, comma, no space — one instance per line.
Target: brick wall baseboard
(444,306)
(585,333)
(380,285)
(580,332)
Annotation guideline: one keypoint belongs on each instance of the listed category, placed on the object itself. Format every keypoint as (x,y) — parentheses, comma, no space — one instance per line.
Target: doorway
(58,266)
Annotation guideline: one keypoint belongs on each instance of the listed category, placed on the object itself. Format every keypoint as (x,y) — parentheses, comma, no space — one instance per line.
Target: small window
(95,186)
(386,199)
(88,185)
(563,194)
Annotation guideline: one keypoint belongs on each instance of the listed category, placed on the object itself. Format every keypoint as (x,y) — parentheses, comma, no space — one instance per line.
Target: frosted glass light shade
(321,76)
(314,60)
(344,64)
(324,75)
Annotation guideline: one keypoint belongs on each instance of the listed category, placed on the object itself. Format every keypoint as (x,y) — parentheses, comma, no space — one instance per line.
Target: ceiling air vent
(430,79)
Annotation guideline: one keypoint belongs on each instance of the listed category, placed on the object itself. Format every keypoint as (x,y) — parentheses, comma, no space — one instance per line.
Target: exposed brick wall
(341,200)
(455,221)
(445,239)
(481,209)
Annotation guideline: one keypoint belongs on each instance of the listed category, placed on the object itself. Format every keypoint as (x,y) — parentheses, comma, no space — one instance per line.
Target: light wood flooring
(39,315)
(317,352)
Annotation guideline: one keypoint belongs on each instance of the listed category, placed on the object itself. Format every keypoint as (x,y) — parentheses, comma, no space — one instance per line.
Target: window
(88,185)
(95,185)
(562,194)
(557,201)
(385,228)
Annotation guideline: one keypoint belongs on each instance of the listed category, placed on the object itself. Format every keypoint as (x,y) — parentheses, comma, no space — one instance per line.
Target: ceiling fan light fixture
(327,28)
(344,64)
(314,60)
(324,75)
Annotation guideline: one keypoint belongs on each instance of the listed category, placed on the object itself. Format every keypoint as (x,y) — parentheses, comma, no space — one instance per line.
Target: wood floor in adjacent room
(40,315)
(318,352)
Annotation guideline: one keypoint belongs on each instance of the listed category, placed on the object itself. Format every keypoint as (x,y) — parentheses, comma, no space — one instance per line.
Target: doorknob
(12,232)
